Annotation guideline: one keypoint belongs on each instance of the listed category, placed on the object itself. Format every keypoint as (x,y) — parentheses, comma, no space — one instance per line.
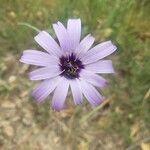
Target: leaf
(145,146)
(83,146)
(134,129)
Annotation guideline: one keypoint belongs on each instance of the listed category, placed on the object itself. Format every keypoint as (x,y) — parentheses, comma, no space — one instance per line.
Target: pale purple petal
(102,66)
(38,58)
(98,52)
(45,88)
(48,43)
(76,91)
(69,62)
(74,32)
(84,45)
(60,94)
(62,35)
(91,94)
(44,73)
(93,78)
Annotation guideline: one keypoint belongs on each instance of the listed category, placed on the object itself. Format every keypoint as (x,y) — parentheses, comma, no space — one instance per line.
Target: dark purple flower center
(71,66)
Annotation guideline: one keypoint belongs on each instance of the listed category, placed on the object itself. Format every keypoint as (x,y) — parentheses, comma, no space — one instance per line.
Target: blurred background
(121,123)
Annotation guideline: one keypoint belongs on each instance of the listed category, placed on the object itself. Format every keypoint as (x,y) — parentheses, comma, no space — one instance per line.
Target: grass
(125,23)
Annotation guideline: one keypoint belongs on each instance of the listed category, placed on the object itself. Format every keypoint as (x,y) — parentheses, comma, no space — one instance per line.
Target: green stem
(28,25)
(94,111)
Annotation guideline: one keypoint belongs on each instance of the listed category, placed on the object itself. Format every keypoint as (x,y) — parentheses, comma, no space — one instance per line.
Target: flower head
(69,63)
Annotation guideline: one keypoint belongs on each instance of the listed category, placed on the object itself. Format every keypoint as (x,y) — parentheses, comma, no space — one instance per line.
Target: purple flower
(70,62)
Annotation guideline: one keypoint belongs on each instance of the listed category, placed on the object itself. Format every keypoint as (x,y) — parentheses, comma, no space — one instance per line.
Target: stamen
(71,66)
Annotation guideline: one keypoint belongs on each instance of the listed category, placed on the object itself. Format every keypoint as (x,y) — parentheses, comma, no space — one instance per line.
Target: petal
(62,35)
(85,45)
(44,89)
(76,91)
(60,94)
(93,78)
(74,31)
(98,52)
(91,94)
(44,73)
(38,58)
(102,66)
(48,43)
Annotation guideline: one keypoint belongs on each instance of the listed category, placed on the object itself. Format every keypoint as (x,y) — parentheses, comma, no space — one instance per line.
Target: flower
(69,63)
